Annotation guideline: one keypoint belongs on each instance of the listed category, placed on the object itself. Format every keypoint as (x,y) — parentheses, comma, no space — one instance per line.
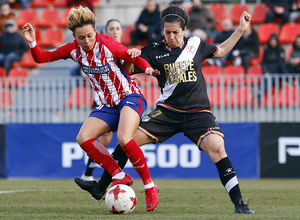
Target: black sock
(120,156)
(229,180)
(89,170)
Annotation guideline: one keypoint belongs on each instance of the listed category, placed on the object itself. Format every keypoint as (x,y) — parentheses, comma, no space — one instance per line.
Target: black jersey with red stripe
(182,83)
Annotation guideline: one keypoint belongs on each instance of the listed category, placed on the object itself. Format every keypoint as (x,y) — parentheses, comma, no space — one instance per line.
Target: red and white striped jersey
(102,65)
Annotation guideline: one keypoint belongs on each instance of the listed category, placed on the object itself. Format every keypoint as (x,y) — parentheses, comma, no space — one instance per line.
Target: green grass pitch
(179,199)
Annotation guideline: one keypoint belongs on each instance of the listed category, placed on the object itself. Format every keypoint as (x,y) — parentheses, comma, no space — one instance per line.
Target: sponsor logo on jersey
(180,72)
(98,55)
(191,49)
(96,69)
(162,56)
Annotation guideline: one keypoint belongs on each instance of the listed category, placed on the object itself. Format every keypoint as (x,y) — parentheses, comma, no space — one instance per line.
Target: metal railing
(263,98)
(69,99)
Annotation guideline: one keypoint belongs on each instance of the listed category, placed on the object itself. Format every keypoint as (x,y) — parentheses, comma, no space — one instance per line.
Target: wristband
(33,44)
(148,68)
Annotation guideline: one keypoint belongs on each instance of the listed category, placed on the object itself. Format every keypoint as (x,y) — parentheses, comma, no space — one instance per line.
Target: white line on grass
(15,191)
(27,190)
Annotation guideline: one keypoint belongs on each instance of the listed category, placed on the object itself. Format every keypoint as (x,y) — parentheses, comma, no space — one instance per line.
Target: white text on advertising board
(161,155)
(288,146)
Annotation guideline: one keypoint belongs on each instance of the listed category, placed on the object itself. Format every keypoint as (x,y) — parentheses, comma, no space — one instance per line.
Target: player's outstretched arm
(225,47)
(39,55)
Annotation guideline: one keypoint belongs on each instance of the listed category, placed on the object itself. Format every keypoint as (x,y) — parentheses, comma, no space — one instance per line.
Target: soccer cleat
(91,186)
(242,208)
(127,180)
(151,198)
(89,178)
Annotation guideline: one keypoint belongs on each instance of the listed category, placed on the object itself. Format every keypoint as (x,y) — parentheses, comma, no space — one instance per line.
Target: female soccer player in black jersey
(183,105)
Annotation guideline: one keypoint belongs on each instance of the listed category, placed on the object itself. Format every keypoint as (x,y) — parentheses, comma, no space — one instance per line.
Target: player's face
(85,36)
(173,34)
(114,29)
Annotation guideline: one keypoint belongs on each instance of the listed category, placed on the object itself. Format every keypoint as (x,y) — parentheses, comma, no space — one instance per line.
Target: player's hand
(150,71)
(28,32)
(134,52)
(244,21)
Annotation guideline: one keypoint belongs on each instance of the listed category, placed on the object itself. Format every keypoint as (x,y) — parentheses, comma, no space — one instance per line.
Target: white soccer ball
(120,199)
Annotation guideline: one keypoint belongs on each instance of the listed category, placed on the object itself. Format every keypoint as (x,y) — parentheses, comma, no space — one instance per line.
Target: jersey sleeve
(120,52)
(208,50)
(42,56)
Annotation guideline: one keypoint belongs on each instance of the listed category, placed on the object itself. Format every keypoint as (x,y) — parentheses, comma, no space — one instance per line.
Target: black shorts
(162,123)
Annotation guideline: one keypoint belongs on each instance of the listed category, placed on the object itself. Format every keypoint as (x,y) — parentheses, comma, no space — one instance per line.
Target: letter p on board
(283,149)
(71,151)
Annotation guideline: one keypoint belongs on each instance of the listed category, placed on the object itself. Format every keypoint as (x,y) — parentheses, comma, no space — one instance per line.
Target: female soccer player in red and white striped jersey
(113,28)
(122,103)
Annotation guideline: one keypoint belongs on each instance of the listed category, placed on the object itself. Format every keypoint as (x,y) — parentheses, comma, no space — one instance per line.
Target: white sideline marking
(26,190)
(15,191)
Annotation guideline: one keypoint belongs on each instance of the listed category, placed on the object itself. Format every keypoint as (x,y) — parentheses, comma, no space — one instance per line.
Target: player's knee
(123,139)
(123,142)
(218,152)
(80,138)
(214,149)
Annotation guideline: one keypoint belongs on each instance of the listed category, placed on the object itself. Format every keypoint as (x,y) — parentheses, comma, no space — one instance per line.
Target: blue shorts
(111,115)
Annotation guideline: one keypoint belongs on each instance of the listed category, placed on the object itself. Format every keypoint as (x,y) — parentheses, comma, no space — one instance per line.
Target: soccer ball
(120,199)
